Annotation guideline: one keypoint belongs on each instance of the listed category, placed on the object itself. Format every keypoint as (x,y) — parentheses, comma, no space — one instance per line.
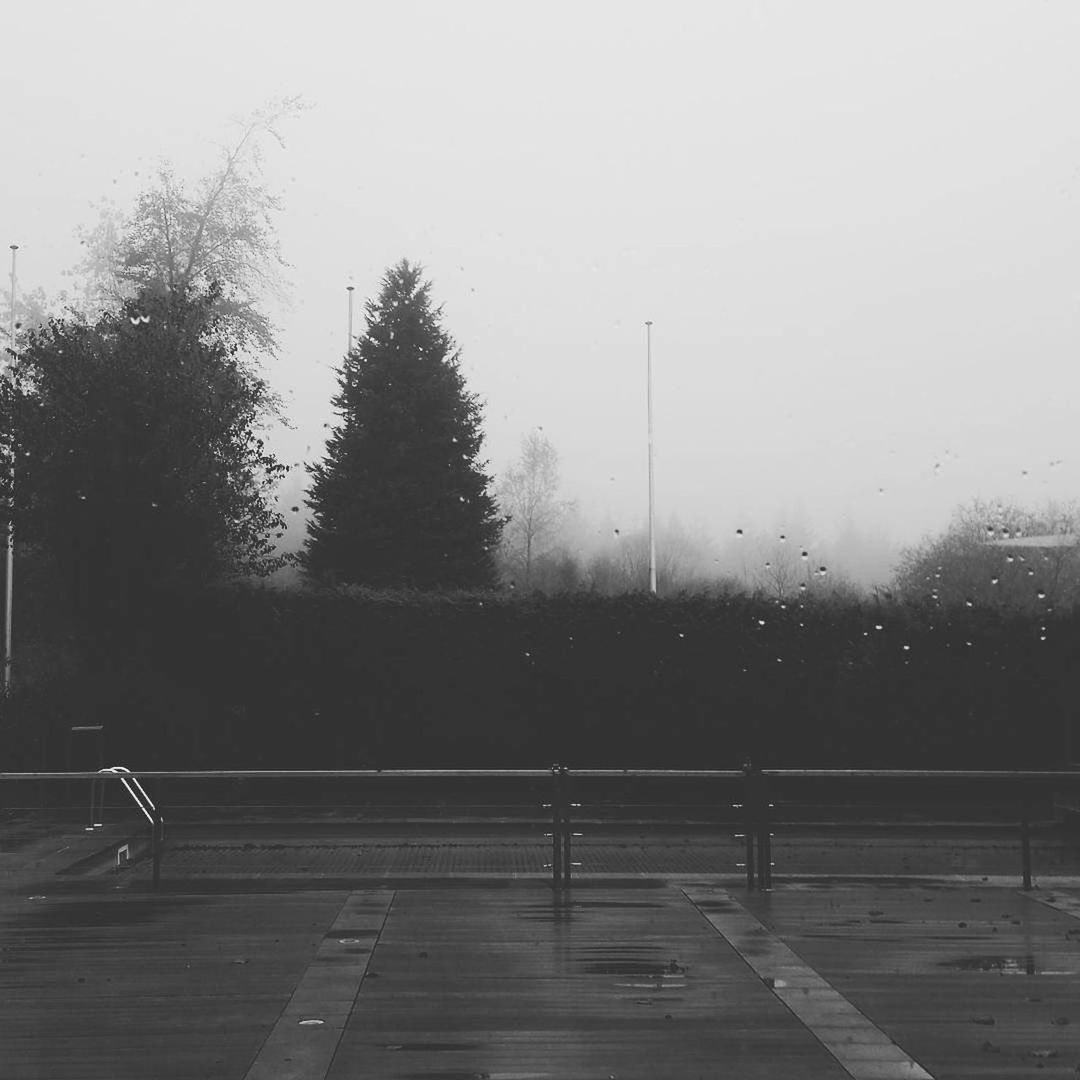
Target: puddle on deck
(999,965)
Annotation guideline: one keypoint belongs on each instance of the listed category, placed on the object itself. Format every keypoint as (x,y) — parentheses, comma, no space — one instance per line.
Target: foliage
(982,560)
(137,466)
(401,499)
(184,240)
(309,679)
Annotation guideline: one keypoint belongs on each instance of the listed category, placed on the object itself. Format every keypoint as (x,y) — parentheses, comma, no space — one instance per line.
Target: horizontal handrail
(134,789)
(703,774)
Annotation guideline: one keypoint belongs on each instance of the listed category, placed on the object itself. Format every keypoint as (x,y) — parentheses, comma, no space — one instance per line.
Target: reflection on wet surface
(1001,965)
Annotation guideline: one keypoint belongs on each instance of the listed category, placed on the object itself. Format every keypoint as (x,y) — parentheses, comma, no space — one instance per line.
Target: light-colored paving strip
(1063,902)
(863,1049)
(302,1044)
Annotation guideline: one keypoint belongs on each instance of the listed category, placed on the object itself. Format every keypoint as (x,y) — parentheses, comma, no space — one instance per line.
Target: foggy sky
(853,225)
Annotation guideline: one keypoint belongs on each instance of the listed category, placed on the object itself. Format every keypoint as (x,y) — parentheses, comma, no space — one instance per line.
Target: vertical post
(556,828)
(749,820)
(652,529)
(10,555)
(566,825)
(155,846)
(1025,845)
(765,838)
(349,290)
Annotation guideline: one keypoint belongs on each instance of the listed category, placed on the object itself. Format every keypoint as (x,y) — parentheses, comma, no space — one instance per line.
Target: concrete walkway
(667,976)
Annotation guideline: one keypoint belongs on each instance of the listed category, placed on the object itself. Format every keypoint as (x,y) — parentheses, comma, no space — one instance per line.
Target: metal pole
(566,826)
(556,828)
(652,522)
(1025,847)
(349,290)
(9,567)
(155,847)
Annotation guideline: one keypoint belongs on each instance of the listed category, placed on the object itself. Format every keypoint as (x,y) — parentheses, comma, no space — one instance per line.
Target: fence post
(156,839)
(1025,844)
(556,827)
(765,836)
(567,826)
(749,820)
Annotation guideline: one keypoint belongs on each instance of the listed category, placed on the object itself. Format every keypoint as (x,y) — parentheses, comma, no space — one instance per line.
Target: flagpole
(652,516)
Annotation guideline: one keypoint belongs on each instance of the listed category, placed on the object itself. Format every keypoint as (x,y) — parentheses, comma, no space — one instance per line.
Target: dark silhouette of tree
(137,464)
(401,499)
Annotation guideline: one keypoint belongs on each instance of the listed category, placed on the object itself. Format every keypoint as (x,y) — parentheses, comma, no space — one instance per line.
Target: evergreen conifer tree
(400,499)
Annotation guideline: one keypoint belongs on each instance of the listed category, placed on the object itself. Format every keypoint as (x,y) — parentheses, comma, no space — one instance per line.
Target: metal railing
(756,810)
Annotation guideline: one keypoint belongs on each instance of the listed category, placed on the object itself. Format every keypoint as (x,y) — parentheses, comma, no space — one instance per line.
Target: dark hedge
(252,677)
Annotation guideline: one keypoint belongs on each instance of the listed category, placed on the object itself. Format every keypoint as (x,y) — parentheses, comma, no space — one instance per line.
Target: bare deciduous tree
(179,240)
(528,498)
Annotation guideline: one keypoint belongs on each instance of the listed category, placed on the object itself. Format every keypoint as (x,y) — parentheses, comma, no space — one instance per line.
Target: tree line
(136,464)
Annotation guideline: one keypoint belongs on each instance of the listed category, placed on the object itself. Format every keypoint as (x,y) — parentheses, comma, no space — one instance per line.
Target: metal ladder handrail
(138,793)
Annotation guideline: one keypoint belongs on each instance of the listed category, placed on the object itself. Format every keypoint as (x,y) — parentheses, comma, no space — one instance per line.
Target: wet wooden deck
(679,978)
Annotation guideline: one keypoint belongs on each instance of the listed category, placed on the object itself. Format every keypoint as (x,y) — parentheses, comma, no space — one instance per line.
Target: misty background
(852,225)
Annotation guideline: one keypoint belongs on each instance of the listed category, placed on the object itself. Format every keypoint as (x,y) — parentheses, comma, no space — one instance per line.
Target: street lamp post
(349,290)
(652,516)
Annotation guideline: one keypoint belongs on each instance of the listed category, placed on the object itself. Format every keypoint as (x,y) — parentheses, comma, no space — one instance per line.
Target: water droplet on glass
(783,538)
(993,581)
(1041,595)
(969,603)
(907,648)
(738,532)
(804,554)
(878,626)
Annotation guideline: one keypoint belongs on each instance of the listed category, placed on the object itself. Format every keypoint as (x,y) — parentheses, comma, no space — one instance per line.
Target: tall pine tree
(401,499)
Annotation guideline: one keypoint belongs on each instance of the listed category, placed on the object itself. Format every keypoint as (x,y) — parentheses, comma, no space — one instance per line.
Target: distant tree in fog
(183,240)
(401,498)
(623,564)
(527,494)
(981,559)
